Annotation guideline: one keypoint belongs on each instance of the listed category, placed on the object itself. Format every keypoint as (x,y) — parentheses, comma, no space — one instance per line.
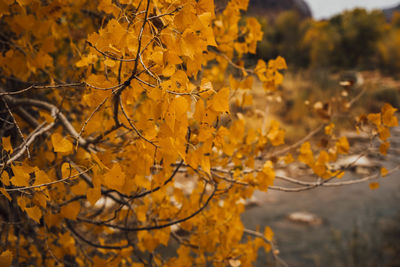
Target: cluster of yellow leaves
(321,164)
(382,122)
(269,74)
(157,71)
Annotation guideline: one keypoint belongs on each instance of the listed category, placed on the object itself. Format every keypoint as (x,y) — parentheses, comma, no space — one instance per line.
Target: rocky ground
(341,226)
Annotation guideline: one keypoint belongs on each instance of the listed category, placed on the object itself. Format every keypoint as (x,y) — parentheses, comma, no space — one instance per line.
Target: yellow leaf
(329,129)
(41,178)
(114,178)
(306,154)
(169,70)
(34,213)
(181,106)
(5,179)
(61,144)
(71,210)
(220,101)
(266,176)
(320,164)
(268,234)
(21,175)
(388,117)
(288,158)
(141,213)
(383,148)
(109,62)
(6,258)
(98,161)
(373,186)
(375,118)
(247,100)
(93,194)
(5,193)
(68,171)
(275,134)
(41,199)
(6,143)
(384,172)
(342,145)
(280,63)
(80,188)
(384,133)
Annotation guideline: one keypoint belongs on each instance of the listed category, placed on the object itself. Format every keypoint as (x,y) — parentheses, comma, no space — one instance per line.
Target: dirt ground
(360,226)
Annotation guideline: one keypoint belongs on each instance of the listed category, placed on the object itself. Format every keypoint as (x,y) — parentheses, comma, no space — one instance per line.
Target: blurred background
(326,43)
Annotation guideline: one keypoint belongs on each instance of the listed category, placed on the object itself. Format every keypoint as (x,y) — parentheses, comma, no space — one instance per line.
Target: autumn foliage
(118,140)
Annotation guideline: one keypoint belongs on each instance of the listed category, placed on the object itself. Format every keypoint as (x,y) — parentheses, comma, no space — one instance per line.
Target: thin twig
(17,126)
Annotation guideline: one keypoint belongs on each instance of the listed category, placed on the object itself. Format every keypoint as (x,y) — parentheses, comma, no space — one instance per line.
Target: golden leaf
(6,258)
(35,213)
(384,172)
(220,101)
(114,178)
(5,193)
(93,194)
(6,143)
(41,178)
(268,234)
(275,134)
(383,148)
(373,185)
(388,117)
(320,164)
(71,210)
(21,175)
(306,154)
(329,129)
(342,145)
(384,133)
(61,144)
(375,118)
(266,176)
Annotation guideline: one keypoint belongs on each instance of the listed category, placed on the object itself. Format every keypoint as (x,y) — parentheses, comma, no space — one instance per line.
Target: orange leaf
(60,143)
(384,172)
(220,101)
(373,186)
(35,213)
(388,117)
(93,194)
(342,145)
(7,144)
(268,234)
(5,193)
(383,148)
(6,258)
(306,154)
(71,210)
(115,178)
(21,175)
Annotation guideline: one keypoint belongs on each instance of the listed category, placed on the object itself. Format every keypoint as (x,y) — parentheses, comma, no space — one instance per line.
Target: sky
(326,8)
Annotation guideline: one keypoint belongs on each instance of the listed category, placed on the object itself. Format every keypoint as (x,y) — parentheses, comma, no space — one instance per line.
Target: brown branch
(17,126)
(69,225)
(37,132)
(54,111)
(56,86)
(159,187)
(154,227)
(134,127)
(47,184)
(110,56)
